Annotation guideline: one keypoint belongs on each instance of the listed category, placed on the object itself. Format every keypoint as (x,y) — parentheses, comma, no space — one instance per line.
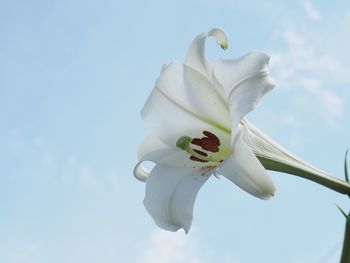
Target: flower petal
(244,80)
(153,149)
(140,172)
(184,105)
(170,195)
(196,57)
(197,60)
(245,170)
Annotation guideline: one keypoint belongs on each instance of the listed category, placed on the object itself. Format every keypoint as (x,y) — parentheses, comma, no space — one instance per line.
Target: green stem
(345,256)
(313,175)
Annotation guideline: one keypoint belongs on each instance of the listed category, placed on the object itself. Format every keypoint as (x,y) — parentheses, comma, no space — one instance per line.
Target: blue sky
(73,78)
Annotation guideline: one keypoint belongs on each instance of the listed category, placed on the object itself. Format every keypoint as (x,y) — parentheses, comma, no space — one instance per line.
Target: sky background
(74,75)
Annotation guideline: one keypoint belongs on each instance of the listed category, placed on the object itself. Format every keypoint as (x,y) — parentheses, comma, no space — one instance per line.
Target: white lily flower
(194,113)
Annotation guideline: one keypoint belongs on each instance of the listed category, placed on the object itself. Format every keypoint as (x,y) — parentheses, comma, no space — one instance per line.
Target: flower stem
(345,256)
(313,175)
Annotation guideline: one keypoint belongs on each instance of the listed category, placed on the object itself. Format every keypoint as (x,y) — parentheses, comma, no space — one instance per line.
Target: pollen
(210,142)
(203,149)
(212,137)
(200,152)
(193,158)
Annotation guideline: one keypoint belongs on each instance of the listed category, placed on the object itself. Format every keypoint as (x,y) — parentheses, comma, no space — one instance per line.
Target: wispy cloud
(302,66)
(331,102)
(169,247)
(311,10)
(46,150)
(20,251)
(100,182)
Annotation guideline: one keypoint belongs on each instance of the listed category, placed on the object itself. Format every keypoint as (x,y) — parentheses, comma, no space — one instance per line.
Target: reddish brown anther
(200,152)
(196,141)
(208,145)
(210,142)
(212,137)
(193,158)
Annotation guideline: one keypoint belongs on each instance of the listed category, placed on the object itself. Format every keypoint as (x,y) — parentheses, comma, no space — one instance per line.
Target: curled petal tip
(268,196)
(186,230)
(140,172)
(220,36)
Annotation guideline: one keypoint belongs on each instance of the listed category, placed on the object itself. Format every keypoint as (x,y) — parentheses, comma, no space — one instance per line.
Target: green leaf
(346,166)
(346,216)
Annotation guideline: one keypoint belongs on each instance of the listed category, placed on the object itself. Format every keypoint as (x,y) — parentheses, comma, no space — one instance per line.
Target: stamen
(204,154)
(200,156)
(196,141)
(208,145)
(200,152)
(193,158)
(212,137)
(197,155)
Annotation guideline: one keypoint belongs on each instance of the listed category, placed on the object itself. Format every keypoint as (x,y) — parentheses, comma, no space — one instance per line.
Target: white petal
(170,196)
(190,88)
(245,170)
(196,57)
(184,105)
(220,36)
(245,80)
(140,172)
(168,119)
(153,149)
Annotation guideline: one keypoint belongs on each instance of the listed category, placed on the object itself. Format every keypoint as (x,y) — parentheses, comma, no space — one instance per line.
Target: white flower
(194,114)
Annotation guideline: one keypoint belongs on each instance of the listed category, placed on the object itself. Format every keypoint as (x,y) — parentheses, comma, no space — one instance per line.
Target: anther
(200,152)
(197,155)
(212,137)
(193,158)
(208,145)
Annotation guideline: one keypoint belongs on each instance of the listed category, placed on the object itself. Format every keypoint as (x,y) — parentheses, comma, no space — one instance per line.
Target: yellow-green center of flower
(205,149)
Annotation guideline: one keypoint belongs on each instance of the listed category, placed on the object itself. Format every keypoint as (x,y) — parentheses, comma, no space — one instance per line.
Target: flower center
(205,149)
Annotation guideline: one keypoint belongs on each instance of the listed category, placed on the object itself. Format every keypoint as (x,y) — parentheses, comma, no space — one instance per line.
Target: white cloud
(37,147)
(46,150)
(331,102)
(301,58)
(20,251)
(302,66)
(86,177)
(311,10)
(99,182)
(169,247)
(16,148)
